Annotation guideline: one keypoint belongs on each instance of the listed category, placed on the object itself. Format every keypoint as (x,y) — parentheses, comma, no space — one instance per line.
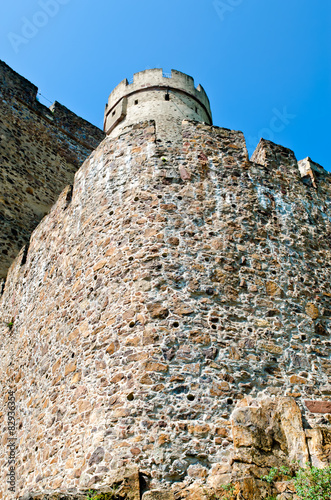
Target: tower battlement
(156,95)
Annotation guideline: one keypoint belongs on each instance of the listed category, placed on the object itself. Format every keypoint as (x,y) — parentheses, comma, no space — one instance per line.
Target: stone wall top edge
(238,134)
(263,145)
(266,142)
(215,127)
(271,151)
(154,77)
(314,166)
(267,151)
(17,86)
(76,125)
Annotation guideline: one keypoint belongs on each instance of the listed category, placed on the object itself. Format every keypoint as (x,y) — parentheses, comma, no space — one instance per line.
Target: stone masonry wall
(169,288)
(40,150)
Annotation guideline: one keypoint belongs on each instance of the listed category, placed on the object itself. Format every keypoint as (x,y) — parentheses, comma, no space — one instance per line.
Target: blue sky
(265,64)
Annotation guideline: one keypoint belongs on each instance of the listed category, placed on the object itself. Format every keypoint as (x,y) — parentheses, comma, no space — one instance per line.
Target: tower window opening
(136,101)
(196,110)
(167,96)
(113,113)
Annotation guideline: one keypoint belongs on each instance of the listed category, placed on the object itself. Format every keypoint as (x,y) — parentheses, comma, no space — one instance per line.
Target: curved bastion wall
(167,99)
(164,295)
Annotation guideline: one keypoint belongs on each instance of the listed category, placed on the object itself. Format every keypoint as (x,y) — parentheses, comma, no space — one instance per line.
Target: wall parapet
(272,155)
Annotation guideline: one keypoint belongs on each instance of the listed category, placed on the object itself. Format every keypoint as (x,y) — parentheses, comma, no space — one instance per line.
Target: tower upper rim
(157,79)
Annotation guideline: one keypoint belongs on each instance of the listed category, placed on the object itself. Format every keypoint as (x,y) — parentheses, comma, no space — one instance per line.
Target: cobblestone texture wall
(170,288)
(40,150)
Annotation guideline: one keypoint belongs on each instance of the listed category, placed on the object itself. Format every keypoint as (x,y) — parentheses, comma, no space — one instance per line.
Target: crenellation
(273,155)
(311,172)
(155,77)
(148,77)
(166,99)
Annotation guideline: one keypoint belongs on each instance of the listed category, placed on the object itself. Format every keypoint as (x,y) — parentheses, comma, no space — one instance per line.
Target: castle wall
(40,150)
(168,289)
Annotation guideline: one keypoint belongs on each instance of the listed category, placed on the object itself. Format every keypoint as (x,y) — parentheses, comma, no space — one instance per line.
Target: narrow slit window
(136,101)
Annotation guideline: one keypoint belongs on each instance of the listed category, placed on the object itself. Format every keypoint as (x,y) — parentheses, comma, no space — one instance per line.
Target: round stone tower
(167,99)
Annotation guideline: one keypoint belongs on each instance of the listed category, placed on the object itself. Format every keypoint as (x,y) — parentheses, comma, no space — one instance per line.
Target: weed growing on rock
(229,492)
(278,474)
(311,483)
(109,495)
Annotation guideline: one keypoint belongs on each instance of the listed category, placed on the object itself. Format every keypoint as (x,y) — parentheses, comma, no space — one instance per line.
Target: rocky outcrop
(267,433)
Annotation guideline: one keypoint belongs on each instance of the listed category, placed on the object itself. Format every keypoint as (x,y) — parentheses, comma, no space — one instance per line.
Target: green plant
(109,495)
(10,325)
(164,159)
(277,473)
(229,491)
(311,483)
